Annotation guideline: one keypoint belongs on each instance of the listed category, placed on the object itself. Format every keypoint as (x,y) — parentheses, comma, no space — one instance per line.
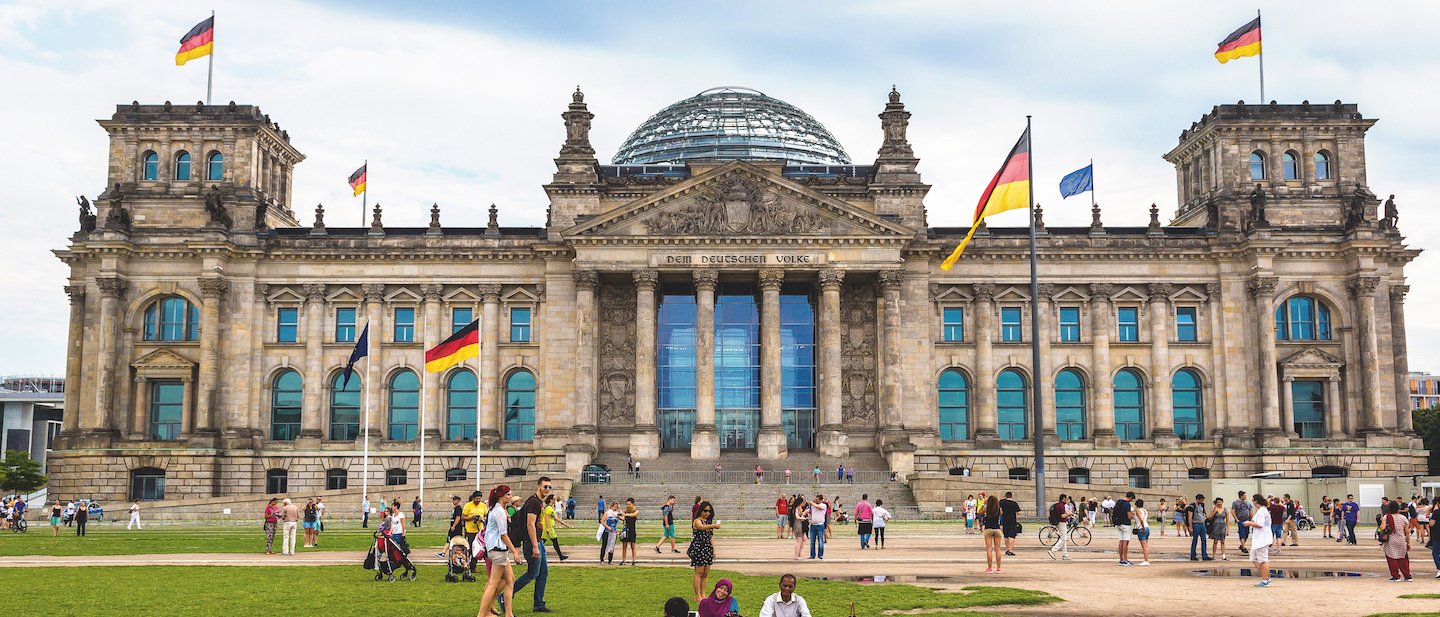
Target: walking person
(864,523)
(134,516)
(817,473)
(1195,522)
(667,521)
(499,551)
(570,508)
(272,519)
(82,517)
(1122,517)
(1142,531)
(629,520)
(475,513)
(394,526)
(532,544)
(759,474)
(1351,511)
(289,520)
(415,510)
(701,551)
(1060,517)
(1260,539)
(319,518)
(1010,521)
(608,532)
(994,537)
(1277,523)
(695,508)
(552,519)
(819,510)
(1394,530)
(1327,512)
(55,514)
(69,514)
(600,509)
(1218,527)
(1422,518)
(881,517)
(787,475)
(1240,509)
(969,510)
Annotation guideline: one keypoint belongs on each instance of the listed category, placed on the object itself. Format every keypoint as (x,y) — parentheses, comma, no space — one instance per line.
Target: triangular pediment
(1012,294)
(1128,294)
(1312,357)
(520,295)
(343,294)
(949,293)
(285,296)
(460,294)
(739,199)
(402,295)
(1070,294)
(1186,294)
(163,359)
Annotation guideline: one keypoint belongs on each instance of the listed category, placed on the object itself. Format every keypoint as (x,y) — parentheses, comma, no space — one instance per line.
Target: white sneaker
(1143,563)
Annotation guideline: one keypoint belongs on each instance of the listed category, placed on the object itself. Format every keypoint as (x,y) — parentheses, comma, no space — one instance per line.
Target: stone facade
(193,299)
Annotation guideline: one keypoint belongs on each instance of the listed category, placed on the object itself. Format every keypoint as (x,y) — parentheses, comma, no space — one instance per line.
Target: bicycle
(19,525)
(1079,534)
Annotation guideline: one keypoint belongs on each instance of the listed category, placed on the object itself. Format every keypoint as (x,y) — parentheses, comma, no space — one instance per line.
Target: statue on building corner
(1355,207)
(577,127)
(117,219)
(87,218)
(260,209)
(1392,216)
(375,226)
(215,207)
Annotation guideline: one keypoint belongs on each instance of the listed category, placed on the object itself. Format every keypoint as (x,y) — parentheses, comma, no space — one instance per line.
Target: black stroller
(386,557)
(457,556)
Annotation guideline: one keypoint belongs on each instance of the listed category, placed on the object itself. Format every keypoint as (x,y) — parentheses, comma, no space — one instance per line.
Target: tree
(1427,424)
(19,474)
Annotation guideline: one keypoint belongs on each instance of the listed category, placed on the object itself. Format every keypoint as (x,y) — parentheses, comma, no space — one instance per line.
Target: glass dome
(726,124)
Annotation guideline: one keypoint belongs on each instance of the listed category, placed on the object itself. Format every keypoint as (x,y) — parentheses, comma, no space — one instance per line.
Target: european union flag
(362,349)
(1077,182)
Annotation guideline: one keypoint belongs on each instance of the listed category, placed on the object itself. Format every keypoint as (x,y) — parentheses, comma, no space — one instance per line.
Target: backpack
(1117,518)
(1057,511)
(518,524)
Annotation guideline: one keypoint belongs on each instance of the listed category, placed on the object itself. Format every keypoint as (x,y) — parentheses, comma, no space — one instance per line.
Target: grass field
(174,590)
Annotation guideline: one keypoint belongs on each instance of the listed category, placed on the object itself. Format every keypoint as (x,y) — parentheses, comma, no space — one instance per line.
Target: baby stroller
(385,557)
(458,557)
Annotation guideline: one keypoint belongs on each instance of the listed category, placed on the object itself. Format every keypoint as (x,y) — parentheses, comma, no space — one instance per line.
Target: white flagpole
(365,473)
(1262,59)
(423,388)
(478,389)
(210,78)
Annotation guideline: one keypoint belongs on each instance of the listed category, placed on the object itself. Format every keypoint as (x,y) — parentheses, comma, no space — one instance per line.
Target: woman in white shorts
(1261,539)
(500,552)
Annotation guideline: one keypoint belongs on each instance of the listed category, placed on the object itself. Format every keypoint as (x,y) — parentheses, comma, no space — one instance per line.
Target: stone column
(371,411)
(1287,406)
(431,381)
(645,438)
(1270,433)
(832,440)
(312,416)
(987,434)
(585,359)
(1102,408)
(1363,288)
(1401,359)
(1334,427)
(99,420)
(489,423)
(772,431)
(138,412)
(892,371)
(75,351)
(1162,417)
(1047,381)
(705,438)
(1218,407)
(212,292)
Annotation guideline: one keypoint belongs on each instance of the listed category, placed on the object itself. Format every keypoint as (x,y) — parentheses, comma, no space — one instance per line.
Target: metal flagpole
(1262,57)
(365,469)
(478,390)
(365,196)
(422,432)
(210,79)
(1092,184)
(1038,432)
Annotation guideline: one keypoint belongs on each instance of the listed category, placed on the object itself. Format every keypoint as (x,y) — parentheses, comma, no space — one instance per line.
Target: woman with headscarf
(720,602)
(702,553)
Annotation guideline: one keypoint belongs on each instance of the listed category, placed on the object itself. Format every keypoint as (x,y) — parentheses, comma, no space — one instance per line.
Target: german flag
(357,179)
(1008,190)
(1240,43)
(200,41)
(463,344)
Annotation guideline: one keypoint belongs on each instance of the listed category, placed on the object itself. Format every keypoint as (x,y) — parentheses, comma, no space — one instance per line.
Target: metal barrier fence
(734,477)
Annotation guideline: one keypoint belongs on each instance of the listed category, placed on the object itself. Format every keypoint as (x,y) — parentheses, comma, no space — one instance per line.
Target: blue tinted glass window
(954,324)
(1322,165)
(1070,324)
(1291,165)
(285,399)
(345,407)
(459,318)
(404,325)
(1128,319)
(1185,323)
(520,407)
(675,367)
(1010,403)
(954,406)
(172,319)
(737,349)
(287,325)
(216,166)
(1010,324)
(1129,405)
(182,166)
(797,366)
(460,406)
(519,325)
(1302,319)
(345,325)
(150,167)
(1309,408)
(404,406)
(1187,401)
(1257,166)
(167,407)
(1070,405)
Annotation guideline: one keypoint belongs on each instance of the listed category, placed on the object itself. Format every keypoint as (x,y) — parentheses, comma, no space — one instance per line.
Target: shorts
(498,558)
(1143,535)
(670,531)
(1011,531)
(308,524)
(1125,533)
(782,521)
(1260,554)
(54,520)
(992,533)
(1244,532)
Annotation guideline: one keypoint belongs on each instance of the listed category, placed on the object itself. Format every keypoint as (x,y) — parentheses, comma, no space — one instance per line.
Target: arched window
(1011,402)
(404,406)
(396,477)
(345,407)
(336,479)
(1070,405)
(455,475)
(1188,402)
(285,394)
(277,481)
(1322,165)
(150,166)
(1129,405)
(1329,471)
(1290,163)
(1257,166)
(460,406)
(182,166)
(954,406)
(147,483)
(1139,477)
(1079,475)
(1302,318)
(1019,473)
(520,406)
(172,319)
(1198,473)
(215,166)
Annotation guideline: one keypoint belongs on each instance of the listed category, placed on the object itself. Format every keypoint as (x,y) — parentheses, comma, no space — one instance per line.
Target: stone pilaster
(832,440)
(1103,409)
(585,360)
(987,434)
(75,351)
(892,370)
(312,416)
(100,420)
(372,420)
(705,438)
(489,424)
(1401,359)
(772,442)
(1334,426)
(1162,417)
(212,293)
(1218,410)
(1287,406)
(1262,292)
(645,438)
(1363,288)
(430,415)
(1047,382)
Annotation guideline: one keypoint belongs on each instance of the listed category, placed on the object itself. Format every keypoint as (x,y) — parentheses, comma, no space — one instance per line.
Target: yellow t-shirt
(477,510)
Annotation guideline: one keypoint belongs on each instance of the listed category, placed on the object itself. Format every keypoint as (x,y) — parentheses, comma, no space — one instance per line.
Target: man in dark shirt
(1009,525)
(457,519)
(537,569)
(1195,518)
(1277,523)
(1120,517)
(667,520)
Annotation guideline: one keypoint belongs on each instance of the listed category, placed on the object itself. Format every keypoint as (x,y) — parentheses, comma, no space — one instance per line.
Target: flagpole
(1262,57)
(365,195)
(1092,184)
(365,473)
(210,79)
(478,390)
(1038,432)
(423,388)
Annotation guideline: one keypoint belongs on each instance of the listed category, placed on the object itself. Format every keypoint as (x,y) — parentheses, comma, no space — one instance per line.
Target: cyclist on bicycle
(1063,519)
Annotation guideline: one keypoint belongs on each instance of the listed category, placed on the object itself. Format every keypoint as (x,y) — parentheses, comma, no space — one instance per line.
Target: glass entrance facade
(737,365)
(797,365)
(675,367)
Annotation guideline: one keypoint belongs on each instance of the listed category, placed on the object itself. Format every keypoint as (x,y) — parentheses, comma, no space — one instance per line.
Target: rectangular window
(1129,318)
(519,325)
(954,322)
(345,325)
(460,317)
(1309,408)
(1070,324)
(1185,324)
(167,403)
(1010,325)
(404,325)
(288,325)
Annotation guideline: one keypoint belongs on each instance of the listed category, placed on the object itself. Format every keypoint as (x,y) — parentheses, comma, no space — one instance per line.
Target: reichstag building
(732,282)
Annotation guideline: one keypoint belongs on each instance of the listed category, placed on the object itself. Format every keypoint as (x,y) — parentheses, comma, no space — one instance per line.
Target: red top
(782,507)
(271,514)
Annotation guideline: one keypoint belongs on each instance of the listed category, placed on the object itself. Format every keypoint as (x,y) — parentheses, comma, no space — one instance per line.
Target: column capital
(374,292)
(1262,287)
(645,279)
(1362,286)
(771,279)
(1288,378)
(586,279)
(490,292)
(315,292)
(984,292)
(1397,292)
(1101,292)
(431,291)
(112,287)
(1212,290)
(705,279)
(1160,292)
(211,287)
(76,293)
(891,280)
(831,278)
(261,290)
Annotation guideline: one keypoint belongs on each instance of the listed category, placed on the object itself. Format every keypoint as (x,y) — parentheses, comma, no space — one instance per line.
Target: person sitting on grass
(785,603)
(719,603)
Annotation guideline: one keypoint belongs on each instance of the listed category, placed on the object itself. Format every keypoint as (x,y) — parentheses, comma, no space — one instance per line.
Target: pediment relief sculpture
(736,205)
(1312,357)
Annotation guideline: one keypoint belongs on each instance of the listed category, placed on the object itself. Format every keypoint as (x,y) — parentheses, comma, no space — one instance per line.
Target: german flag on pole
(200,41)
(1008,190)
(463,344)
(357,179)
(1240,43)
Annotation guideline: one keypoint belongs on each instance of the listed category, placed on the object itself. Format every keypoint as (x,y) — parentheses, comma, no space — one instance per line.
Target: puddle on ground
(900,578)
(1280,573)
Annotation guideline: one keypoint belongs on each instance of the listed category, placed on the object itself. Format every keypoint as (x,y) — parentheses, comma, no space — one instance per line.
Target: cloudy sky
(458,103)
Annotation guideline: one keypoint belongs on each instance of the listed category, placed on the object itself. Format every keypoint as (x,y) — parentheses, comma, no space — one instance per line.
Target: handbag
(1383,535)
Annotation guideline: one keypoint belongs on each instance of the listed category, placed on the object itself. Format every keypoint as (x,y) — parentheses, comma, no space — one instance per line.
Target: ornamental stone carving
(617,354)
(585,279)
(984,292)
(540,292)
(893,122)
(1047,291)
(771,279)
(1362,286)
(431,291)
(735,205)
(1262,286)
(261,290)
(1159,292)
(315,292)
(891,280)
(76,293)
(1101,292)
(831,277)
(857,354)
(1397,292)
(646,279)
(705,279)
(374,292)
(490,292)
(1212,290)
(112,287)
(213,287)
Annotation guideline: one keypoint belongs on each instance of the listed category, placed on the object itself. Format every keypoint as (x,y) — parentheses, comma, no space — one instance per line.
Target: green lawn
(218,590)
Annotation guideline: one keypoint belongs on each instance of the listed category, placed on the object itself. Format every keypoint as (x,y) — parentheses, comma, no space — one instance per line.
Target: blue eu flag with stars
(1077,182)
